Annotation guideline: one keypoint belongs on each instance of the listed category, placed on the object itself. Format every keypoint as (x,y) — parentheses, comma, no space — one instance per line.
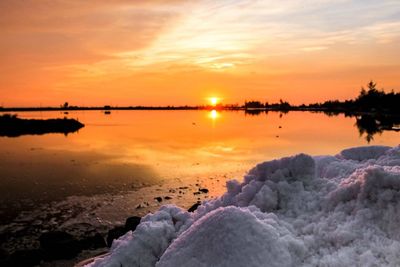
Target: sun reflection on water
(213,114)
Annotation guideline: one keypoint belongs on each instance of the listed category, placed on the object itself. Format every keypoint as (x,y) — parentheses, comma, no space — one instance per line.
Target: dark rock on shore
(114,234)
(59,245)
(201,191)
(194,207)
(131,223)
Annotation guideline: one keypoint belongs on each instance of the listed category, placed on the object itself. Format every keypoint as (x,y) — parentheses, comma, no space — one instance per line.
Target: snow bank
(341,210)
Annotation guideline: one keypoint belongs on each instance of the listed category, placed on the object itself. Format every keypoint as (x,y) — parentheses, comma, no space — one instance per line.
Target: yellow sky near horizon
(183,52)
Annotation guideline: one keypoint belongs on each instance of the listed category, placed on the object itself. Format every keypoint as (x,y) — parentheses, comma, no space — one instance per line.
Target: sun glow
(213,114)
(214,101)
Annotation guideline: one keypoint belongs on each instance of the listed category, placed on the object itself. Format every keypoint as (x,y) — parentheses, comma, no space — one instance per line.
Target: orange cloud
(179,52)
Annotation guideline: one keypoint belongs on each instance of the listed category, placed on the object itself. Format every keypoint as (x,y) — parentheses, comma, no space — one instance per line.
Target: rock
(114,234)
(167,198)
(93,242)
(194,207)
(22,258)
(159,199)
(131,223)
(203,190)
(59,245)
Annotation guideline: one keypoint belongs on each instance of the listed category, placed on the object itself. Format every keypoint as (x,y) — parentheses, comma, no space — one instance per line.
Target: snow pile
(296,211)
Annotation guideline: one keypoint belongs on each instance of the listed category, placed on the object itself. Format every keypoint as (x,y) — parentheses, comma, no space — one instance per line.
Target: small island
(12,126)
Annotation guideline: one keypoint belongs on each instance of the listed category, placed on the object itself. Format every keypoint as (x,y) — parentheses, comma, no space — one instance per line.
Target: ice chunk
(151,238)
(339,210)
(364,153)
(223,236)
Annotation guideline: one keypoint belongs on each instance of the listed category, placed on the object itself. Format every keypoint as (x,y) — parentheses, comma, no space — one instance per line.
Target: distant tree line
(283,105)
(370,100)
(374,109)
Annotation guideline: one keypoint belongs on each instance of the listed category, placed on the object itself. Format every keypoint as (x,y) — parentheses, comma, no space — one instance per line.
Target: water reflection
(370,125)
(130,148)
(42,174)
(213,114)
(254,112)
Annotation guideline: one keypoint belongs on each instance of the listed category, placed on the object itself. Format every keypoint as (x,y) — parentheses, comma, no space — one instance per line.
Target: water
(130,149)
(119,162)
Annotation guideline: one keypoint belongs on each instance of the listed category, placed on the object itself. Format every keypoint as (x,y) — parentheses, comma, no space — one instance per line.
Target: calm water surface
(129,150)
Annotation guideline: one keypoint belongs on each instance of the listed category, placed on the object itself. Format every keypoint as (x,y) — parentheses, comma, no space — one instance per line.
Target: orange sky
(182,52)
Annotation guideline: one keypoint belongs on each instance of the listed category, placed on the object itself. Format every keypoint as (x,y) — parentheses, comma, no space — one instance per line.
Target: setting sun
(214,101)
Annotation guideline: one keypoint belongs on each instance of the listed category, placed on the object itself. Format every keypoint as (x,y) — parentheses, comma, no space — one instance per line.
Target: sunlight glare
(213,114)
(214,101)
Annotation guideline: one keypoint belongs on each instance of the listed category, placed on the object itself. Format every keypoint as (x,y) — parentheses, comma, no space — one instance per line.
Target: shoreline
(99,214)
(250,111)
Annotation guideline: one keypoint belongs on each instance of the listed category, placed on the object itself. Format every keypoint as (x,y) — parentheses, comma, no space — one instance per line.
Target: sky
(176,52)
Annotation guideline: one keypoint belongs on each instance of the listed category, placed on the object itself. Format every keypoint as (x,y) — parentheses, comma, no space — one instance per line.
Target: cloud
(81,44)
(95,27)
(237,33)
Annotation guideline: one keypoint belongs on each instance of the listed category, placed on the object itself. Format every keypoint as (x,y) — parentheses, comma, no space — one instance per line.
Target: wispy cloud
(239,33)
(79,43)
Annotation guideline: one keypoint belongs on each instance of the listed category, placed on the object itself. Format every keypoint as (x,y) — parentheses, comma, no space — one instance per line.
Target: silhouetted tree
(253,104)
(369,100)
(284,105)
